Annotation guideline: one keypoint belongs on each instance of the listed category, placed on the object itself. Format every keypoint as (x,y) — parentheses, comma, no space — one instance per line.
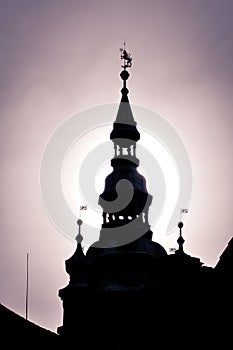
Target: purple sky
(59,57)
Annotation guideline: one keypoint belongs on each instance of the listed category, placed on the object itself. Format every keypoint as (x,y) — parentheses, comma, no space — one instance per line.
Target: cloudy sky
(59,57)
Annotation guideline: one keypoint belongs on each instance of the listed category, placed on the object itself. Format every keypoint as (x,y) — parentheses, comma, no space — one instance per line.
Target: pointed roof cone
(125,125)
(79,250)
(125,114)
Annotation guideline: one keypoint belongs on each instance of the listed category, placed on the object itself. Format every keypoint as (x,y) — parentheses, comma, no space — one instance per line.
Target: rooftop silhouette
(127,292)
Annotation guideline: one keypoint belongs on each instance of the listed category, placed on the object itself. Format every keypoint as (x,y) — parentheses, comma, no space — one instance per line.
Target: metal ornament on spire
(79,237)
(180,240)
(126,56)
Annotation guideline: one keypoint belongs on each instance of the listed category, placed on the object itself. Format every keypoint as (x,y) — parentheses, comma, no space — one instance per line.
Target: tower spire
(125,125)
(125,136)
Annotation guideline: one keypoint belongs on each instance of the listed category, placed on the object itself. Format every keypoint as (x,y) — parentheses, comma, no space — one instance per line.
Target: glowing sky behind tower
(61,57)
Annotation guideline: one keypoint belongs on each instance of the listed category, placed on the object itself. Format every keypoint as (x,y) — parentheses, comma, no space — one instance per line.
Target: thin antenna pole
(27,280)
(124,51)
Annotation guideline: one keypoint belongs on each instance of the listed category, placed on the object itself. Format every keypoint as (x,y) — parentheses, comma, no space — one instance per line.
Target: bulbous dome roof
(129,173)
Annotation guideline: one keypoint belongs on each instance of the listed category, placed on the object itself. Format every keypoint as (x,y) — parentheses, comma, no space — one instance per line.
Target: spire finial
(127,62)
(180,240)
(79,237)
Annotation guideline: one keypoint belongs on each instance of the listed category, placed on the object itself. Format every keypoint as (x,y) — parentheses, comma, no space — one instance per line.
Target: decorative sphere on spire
(180,224)
(79,222)
(124,75)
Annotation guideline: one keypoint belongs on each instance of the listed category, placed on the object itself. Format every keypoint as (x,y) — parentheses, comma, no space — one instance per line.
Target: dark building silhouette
(17,332)
(127,292)
(225,264)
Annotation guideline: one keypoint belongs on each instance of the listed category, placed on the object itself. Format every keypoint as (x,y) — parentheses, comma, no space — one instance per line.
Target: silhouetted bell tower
(119,264)
(125,200)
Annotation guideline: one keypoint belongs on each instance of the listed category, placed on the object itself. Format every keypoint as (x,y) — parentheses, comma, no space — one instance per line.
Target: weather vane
(126,56)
